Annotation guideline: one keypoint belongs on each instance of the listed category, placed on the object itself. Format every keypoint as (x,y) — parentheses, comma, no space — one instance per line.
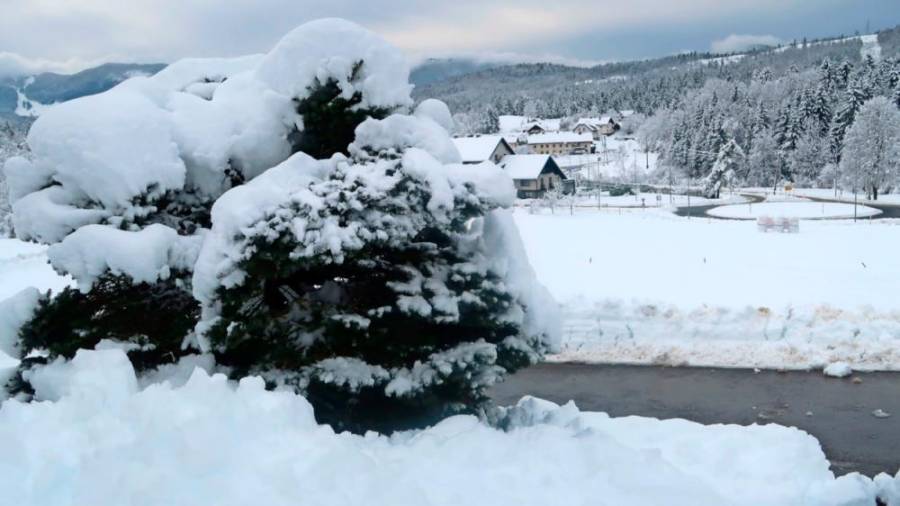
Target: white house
(561,143)
(597,127)
(533,175)
(484,148)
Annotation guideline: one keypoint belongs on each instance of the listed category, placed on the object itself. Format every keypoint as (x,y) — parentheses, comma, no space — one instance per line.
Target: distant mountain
(441,69)
(49,88)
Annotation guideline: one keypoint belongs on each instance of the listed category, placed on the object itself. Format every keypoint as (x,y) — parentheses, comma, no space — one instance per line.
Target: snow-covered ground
(617,159)
(101,440)
(25,265)
(808,210)
(648,287)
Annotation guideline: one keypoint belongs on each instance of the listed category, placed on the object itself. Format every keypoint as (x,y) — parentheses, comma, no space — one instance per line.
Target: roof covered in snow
(559,138)
(529,166)
(513,124)
(477,149)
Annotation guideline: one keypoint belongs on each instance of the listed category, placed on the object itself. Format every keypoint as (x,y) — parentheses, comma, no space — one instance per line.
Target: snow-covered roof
(559,138)
(510,123)
(513,138)
(525,166)
(477,149)
(595,122)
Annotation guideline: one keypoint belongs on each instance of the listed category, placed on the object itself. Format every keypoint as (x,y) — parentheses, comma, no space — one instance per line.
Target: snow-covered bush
(290,216)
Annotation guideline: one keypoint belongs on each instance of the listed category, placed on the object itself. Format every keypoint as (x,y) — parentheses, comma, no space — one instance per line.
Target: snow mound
(101,440)
(838,370)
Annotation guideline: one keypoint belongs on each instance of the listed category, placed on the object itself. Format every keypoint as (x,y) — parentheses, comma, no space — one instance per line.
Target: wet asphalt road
(842,420)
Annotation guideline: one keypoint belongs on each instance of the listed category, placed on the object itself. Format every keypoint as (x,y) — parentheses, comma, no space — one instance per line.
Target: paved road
(887,210)
(842,420)
(700,211)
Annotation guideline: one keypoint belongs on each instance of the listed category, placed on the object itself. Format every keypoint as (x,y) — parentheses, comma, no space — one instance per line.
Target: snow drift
(100,440)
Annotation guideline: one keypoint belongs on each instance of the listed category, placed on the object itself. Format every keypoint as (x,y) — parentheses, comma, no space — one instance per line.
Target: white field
(648,287)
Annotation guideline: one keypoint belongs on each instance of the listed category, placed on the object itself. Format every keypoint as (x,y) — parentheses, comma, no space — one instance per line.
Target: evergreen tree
(856,95)
(350,255)
(723,169)
(764,161)
(383,310)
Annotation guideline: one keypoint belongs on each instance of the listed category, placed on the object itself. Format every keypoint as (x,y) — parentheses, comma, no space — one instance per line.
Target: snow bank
(838,370)
(103,440)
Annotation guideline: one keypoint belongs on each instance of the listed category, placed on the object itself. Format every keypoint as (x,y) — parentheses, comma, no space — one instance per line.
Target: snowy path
(841,411)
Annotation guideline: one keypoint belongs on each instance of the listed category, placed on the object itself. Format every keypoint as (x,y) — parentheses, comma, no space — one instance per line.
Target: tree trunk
(874,192)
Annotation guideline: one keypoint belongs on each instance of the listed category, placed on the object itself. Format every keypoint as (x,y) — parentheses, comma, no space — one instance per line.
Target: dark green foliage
(291,313)
(156,318)
(329,119)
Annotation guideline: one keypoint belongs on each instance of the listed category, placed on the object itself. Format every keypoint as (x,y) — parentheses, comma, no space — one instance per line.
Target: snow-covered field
(24,265)
(809,210)
(103,441)
(648,287)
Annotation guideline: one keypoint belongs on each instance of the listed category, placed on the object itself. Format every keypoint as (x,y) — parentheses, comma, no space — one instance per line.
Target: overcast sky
(72,34)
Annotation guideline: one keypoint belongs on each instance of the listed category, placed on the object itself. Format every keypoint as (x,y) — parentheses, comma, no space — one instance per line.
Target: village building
(516,140)
(485,148)
(561,143)
(535,129)
(597,127)
(534,175)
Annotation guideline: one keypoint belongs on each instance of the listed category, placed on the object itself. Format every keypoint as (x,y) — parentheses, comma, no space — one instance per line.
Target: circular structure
(801,210)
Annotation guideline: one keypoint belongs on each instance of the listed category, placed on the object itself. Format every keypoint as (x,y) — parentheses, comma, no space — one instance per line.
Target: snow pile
(838,370)
(100,440)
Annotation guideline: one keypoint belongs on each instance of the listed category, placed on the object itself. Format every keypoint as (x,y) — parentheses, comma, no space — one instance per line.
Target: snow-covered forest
(766,116)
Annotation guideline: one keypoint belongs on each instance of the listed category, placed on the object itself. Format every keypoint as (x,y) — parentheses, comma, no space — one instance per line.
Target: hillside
(47,88)
(645,86)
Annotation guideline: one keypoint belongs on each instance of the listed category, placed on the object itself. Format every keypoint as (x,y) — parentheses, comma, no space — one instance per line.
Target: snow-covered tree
(764,162)
(288,215)
(12,144)
(723,169)
(871,155)
(808,159)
